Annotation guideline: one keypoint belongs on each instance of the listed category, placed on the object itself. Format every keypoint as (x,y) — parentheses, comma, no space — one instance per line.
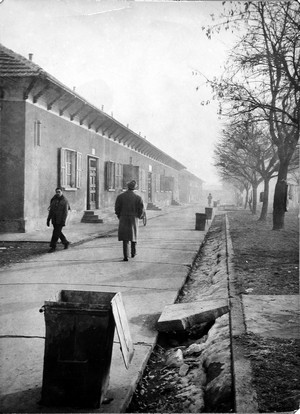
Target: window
(143,180)
(119,176)
(166,183)
(37,133)
(130,172)
(157,182)
(110,173)
(113,176)
(70,168)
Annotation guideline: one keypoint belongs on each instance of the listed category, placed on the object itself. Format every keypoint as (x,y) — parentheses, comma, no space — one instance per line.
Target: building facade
(50,136)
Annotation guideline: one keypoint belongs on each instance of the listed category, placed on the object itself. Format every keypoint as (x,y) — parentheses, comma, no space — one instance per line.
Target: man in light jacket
(129,208)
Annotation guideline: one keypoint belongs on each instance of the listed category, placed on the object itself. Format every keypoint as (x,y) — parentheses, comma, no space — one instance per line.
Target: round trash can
(200,221)
(208,212)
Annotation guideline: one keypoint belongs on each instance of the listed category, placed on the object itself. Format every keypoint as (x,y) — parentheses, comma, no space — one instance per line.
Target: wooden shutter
(157,182)
(110,175)
(162,183)
(119,176)
(63,171)
(78,169)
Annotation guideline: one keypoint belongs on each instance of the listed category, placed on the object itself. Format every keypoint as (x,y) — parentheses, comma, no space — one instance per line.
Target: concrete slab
(181,316)
(278,315)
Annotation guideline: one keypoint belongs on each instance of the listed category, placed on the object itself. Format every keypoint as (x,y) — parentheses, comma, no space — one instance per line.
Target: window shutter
(140,179)
(63,171)
(162,183)
(110,175)
(78,169)
(136,171)
(143,180)
(107,175)
(119,176)
(157,182)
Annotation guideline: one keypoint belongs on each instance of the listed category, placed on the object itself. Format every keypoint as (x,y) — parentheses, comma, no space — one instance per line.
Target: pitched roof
(12,65)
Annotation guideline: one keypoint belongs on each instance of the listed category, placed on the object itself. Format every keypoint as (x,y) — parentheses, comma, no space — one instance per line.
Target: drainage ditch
(190,371)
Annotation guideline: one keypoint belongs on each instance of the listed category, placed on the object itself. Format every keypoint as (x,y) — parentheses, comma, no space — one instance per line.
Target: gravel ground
(14,252)
(267,263)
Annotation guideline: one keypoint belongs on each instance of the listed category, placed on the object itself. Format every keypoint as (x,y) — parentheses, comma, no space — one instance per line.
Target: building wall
(32,169)
(12,150)
(190,188)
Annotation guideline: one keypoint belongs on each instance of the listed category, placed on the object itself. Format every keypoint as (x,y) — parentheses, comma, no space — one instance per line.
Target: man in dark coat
(129,208)
(209,198)
(58,212)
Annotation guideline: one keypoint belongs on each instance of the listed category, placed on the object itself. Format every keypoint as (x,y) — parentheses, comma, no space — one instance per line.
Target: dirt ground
(14,252)
(267,263)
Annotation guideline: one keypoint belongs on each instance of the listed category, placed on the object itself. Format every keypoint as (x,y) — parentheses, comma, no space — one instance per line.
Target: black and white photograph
(149,206)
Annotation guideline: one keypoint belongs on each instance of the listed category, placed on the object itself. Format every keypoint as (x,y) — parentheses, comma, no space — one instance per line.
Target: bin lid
(122,328)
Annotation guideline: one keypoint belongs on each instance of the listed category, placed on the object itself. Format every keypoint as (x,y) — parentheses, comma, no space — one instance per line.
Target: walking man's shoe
(52,250)
(67,245)
(125,259)
(133,249)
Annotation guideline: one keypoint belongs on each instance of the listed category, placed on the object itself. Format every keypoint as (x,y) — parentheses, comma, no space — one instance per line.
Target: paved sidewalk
(78,232)
(149,282)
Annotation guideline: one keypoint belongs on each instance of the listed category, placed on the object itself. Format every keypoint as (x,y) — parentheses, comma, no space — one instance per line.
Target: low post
(208,212)
(200,221)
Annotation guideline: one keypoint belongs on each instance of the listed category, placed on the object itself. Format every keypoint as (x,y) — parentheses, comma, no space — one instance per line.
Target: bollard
(208,212)
(200,221)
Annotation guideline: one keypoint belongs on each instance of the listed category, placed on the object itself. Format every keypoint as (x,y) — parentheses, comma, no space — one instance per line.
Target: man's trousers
(125,248)
(57,234)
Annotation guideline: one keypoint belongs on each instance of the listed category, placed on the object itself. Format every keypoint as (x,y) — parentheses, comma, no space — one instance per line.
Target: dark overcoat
(58,210)
(129,208)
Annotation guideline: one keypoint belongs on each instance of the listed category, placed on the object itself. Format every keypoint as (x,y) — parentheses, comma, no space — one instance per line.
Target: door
(149,187)
(92,184)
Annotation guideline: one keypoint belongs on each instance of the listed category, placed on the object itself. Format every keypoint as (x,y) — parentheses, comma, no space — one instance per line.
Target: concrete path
(149,282)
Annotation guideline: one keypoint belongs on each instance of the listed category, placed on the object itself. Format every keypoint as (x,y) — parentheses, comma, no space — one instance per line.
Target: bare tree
(263,78)
(236,162)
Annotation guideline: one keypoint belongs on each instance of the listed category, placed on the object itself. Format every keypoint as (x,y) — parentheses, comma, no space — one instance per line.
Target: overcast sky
(138,59)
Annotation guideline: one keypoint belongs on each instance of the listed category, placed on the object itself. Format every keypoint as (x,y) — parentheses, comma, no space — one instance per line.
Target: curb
(245,396)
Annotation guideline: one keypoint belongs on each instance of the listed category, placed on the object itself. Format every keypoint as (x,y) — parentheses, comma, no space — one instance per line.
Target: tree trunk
(280,198)
(246,198)
(254,188)
(264,209)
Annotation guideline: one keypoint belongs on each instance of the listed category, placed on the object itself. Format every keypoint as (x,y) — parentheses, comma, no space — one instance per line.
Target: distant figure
(58,212)
(209,198)
(129,208)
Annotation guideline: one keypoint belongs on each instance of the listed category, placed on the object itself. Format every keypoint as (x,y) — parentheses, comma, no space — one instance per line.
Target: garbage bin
(208,212)
(200,221)
(78,348)
(215,204)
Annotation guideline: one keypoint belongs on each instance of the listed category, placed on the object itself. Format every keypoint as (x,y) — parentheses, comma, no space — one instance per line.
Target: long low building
(51,136)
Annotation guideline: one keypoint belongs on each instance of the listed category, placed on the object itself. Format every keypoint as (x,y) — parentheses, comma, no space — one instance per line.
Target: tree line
(259,96)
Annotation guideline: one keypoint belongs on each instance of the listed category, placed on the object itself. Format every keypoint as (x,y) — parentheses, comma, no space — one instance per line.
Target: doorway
(92,197)
(150,187)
